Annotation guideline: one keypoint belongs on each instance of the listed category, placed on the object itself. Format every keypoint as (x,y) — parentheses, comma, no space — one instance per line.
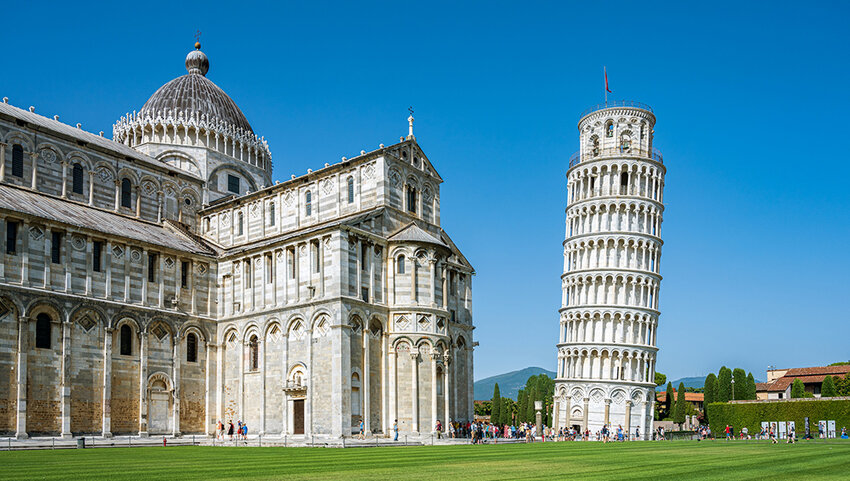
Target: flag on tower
(605,69)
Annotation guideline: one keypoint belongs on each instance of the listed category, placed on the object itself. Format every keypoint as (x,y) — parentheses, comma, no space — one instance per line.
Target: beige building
(158,282)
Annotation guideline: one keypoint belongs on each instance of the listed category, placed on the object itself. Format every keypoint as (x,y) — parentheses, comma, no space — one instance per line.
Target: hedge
(752,414)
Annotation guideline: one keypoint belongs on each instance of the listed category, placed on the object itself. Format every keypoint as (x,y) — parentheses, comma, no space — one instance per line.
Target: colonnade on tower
(611,282)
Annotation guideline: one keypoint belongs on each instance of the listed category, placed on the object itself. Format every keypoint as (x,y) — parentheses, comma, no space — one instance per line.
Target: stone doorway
(159,404)
(298,416)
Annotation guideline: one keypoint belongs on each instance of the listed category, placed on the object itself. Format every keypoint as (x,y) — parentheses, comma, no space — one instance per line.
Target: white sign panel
(830,429)
(781,430)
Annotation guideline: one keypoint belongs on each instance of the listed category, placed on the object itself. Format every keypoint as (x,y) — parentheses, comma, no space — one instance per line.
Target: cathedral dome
(194,95)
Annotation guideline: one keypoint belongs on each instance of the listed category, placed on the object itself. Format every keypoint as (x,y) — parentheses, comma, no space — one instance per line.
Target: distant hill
(689,382)
(509,383)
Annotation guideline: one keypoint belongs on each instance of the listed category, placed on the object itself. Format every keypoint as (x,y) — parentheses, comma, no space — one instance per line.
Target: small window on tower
(233,184)
(609,129)
(77,179)
(624,179)
(308,203)
(271,214)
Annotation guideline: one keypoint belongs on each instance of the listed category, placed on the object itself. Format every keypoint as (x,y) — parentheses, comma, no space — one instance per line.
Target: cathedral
(160,281)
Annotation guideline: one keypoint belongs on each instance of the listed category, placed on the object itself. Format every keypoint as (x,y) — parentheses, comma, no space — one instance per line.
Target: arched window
(240,225)
(17,160)
(42,331)
(254,347)
(126,340)
(350,190)
(77,179)
(411,199)
(399,266)
(308,203)
(624,180)
(126,194)
(609,129)
(625,143)
(191,348)
(271,214)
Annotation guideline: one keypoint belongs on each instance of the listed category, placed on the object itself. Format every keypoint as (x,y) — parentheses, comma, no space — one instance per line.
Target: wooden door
(298,416)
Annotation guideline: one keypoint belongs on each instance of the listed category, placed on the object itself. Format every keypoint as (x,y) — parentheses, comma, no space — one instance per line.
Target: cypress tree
(797,389)
(740,377)
(529,414)
(505,411)
(827,389)
(496,405)
(709,391)
(522,398)
(751,387)
(679,416)
(669,402)
(724,385)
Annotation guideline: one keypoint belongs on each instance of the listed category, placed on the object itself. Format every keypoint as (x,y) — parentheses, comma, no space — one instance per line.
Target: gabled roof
(16,199)
(689,396)
(412,233)
(807,375)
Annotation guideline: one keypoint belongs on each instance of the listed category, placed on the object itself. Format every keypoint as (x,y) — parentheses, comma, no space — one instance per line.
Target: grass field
(688,460)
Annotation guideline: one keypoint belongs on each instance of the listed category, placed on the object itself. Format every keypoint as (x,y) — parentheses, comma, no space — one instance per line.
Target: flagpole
(605,87)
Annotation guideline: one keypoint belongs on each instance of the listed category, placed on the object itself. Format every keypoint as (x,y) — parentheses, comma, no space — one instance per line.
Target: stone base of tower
(592,405)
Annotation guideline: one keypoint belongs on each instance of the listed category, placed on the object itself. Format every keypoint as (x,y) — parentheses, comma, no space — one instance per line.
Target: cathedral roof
(16,199)
(194,95)
(412,233)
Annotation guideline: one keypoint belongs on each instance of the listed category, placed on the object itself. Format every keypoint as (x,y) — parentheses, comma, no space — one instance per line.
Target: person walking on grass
(362,433)
(395,430)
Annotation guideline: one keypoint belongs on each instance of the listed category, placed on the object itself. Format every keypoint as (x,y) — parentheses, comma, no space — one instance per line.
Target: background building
(611,280)
(159,282)
(779,381)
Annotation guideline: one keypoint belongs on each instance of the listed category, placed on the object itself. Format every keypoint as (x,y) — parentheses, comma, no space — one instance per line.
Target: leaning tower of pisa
(609,307)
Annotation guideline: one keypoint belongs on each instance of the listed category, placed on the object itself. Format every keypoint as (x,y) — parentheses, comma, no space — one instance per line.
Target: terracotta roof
(689,396)
(808,375)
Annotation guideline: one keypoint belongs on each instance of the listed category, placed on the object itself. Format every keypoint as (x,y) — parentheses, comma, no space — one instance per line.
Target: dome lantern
(197,61)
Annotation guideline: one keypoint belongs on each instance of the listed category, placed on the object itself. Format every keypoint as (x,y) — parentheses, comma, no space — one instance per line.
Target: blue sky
(751,100)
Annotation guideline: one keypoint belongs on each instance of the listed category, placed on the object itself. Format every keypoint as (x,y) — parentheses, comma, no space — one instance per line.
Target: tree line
(506,411)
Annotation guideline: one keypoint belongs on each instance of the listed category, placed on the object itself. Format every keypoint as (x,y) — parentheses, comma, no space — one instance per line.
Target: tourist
(637,433)
(792,437)
(395,430)
(245,432)
(620,433)
(843,432)
(728,432)
(219,430)
(438,428)
(362,434)
(230,429)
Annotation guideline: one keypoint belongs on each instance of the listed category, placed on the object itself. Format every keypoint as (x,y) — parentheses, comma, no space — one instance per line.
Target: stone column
(644,420)
(25,253)
(106,430)
(628,419)
(91,187)
(434,357)
(556,411)
(607,411)
(446,389)
(107,265)
(2,161)
(66,379)
(48,258)
(567,414)
(433,262)
(175,369)
(240,392)
(372,254)
(393,389)
(64,179)
(3,237)
(365,393)
(137,189)
(143,383)
(261,347)
(208,421)
(23,349)
(384,388)
(219,379)
(414,366)
(34,157)
(117,194)
(584,420)
(469,383)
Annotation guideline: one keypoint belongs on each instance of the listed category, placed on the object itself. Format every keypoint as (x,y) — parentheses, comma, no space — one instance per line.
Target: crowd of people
(240,430)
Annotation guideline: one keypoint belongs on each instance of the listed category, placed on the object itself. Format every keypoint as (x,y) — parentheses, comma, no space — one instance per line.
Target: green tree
(724,385)
(529,408)
(522,400)
(669,402)
(496,403)
(681,408)
(660,379)
(740,388)
(842,385)
(751,387)
(841,363)
(505,411)
(797,389)
(710,391)
(827,389)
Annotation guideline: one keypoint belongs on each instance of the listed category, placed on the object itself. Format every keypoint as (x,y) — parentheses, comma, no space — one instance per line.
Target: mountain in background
(689,382)
(509,383)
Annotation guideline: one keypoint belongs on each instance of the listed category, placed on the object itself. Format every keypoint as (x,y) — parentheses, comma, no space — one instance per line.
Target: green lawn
(688,460)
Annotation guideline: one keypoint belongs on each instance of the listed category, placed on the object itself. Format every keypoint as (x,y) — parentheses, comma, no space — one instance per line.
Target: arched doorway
(159,403)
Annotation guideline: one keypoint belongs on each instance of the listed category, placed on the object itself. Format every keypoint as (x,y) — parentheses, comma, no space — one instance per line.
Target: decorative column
(3,161)
(143,381)
(23,348)
(34,157)
(446,391)
(91,187)
(175,375)
(64,178)
(607,411)
(366,394)
(584,420)
(433,262)
(138,191)
(567,414)
(628,419)
(66,378)
(106,430)
(48,260)
(556,411)
(414,366)
(434,357)
(393,389)
(644,420)
(117,194)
